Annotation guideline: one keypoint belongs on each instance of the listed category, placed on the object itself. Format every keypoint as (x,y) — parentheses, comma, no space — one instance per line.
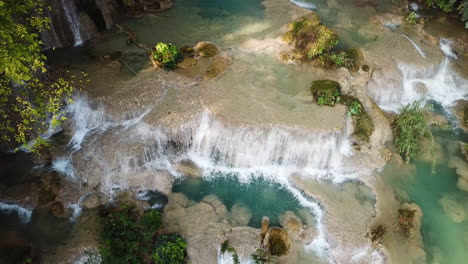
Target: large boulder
(309,38)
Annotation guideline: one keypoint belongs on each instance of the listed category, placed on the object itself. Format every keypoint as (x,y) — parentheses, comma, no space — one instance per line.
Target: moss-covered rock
(363,125)
(309,37)
(326,92)
(277,241)
(206,49)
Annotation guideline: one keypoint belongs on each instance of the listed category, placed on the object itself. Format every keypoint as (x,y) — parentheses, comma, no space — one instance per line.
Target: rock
(206,49)
(325,92)
(309,38)
(57,209)
(409,219)
(455,207)
(187,62)
(217,67)
(219,208)
(188,168)
(178,198)
(45,196)
(461,168)
(91,201)
(52,181)
(291,223)
(436,120)
(264,228)
(114,65)
(277,241)
(240,215)
(461,112)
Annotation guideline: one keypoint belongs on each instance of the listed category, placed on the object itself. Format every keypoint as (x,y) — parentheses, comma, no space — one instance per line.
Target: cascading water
(71,13)
(420,51)
(23,214)
(304,4)
(273,152)
(438,83)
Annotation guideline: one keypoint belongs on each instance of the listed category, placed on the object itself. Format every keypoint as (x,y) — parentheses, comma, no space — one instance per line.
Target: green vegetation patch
(326,92)
(314,42)
(129,236)
(310,38)
(167,55)
(363,125)
(412,132)
(226,247)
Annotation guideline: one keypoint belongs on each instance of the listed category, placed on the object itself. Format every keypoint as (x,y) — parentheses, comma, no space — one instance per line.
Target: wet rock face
(74,21)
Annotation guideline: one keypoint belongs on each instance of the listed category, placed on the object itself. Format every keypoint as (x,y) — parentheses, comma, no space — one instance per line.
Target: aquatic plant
(326,92)
(170,249)
(335,60)
(226,247)
(167,55)
(412,132)
(412,18)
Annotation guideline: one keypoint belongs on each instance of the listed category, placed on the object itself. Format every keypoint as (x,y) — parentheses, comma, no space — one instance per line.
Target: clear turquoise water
(445,240)
(263,198)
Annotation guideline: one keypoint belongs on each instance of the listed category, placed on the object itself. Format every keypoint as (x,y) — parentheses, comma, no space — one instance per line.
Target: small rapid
(439,83)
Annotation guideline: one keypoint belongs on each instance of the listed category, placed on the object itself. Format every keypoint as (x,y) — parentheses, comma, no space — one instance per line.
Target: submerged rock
(409,219)
(455,206)
(206,49)
(188,168)
(240,215)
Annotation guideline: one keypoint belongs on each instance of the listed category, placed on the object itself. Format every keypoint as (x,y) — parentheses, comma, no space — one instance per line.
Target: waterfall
(24,214)
(71,13)
(121,149)
(420,51)
(437,82)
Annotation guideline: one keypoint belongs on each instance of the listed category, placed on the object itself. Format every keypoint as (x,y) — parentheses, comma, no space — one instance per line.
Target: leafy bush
(412,133)
(126,238)
(326,92)
(170,249)
(226,247)
(412,18)
(167,54)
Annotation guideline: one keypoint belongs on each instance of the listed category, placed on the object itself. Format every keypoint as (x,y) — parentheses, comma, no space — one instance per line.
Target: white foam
(304,4)
(438,82)
(63,166)
(76,210)
(420,51)
(23,214)
(446,47)
(414,6)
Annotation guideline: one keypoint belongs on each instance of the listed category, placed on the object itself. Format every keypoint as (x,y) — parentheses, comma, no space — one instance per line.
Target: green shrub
(336,60)
(412,133)
(326,92)
(170,249)
(167,54)
(226,247)
(363,125)
(412,18)
(126,238)
(261,256)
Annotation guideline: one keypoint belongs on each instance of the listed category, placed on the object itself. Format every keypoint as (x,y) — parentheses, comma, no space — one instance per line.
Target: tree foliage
(29,95)
(412,133)
(460,6)
(170,249)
